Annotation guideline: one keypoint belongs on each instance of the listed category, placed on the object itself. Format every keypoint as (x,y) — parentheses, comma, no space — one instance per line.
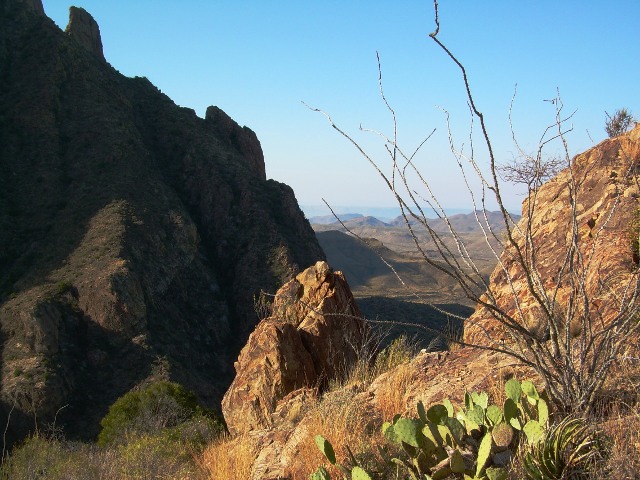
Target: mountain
(329,219)
(362,264)
(369,276)
(603,228)
(134,235)
(464,222)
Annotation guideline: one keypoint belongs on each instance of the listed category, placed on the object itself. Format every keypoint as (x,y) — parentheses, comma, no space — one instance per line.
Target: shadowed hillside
(133,234)
(369,275)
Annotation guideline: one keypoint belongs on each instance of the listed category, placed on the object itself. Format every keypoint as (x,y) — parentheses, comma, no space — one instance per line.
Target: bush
(168,454)
(618,123)
(159,406)
(41,457)
(155,456)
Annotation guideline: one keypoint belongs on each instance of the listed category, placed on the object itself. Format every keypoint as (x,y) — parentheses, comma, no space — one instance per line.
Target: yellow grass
(229,459)
(342,418)
(391,398)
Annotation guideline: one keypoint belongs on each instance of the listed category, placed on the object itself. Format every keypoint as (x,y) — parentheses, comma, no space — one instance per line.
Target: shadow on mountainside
(386,309)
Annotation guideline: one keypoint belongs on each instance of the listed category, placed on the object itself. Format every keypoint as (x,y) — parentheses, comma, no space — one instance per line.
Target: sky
(260,60)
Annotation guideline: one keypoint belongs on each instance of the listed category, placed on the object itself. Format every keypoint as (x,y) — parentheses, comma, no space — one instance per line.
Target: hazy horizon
(381,213)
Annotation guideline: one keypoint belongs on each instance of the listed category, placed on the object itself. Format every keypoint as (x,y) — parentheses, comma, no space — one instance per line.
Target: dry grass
(621,437)
(618,418)
(391,398)
(342,418)
(373,363)
(496,382)
(229,459)
(143,458)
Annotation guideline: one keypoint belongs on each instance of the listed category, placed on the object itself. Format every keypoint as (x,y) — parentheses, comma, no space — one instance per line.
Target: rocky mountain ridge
(460,222)
(134,235)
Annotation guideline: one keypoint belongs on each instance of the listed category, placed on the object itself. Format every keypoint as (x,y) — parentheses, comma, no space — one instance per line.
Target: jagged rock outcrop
(84,29)
(312,335)
(242,138)
(133,234)
(607,193)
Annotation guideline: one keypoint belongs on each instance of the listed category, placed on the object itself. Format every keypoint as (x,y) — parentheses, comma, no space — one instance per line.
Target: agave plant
(563,453)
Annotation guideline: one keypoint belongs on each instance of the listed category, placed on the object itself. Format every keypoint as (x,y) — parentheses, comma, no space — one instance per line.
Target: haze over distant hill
(382,213)
(376,286)
(460,222)
(329,219)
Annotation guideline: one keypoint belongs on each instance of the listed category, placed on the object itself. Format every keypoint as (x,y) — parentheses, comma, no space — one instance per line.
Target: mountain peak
(242,138)
(84,29)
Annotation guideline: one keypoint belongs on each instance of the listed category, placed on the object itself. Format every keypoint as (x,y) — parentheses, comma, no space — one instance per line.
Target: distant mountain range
(460,222)
(382,213)
(369,276)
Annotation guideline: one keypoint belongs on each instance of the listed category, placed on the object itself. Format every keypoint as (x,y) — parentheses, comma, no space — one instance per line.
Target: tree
(560,330)
(618,123)
(157,406)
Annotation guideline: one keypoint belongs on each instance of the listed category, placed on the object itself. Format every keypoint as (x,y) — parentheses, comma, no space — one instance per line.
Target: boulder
(313,335)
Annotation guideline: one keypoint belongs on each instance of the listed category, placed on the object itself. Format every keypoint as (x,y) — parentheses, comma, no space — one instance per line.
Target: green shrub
(51,459)
(618,123)
(155,456)
(566,451)
(149,410)
(401,350)
(168,454)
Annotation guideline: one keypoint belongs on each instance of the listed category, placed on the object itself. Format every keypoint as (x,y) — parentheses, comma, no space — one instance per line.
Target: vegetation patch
(161,406)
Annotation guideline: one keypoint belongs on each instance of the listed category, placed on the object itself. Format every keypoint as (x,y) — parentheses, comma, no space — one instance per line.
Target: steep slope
(605,184)
(133,234)
(368,274)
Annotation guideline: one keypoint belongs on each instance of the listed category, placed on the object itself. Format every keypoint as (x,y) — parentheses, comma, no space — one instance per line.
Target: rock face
(84,29)
(312,336)
(242,138)
(607,193)
(133,234)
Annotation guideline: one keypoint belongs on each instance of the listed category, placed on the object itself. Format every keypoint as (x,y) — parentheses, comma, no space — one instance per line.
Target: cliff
(133,234)
(603,181)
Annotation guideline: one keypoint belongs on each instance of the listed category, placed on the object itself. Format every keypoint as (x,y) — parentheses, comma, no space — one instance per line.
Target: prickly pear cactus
(503,436)
(474,443)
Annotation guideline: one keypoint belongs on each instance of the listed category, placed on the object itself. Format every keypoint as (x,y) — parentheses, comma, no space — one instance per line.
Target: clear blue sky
(257,60)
